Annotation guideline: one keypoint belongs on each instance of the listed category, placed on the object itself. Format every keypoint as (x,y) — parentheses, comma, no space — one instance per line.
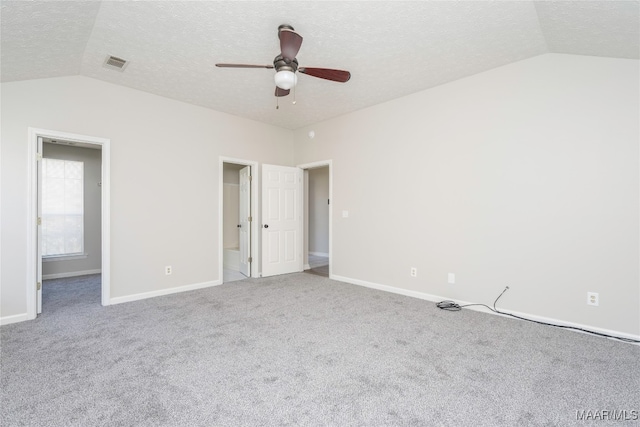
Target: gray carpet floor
(300,350)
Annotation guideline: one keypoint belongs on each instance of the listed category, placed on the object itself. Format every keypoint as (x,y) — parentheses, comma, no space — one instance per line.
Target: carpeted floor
(300,350)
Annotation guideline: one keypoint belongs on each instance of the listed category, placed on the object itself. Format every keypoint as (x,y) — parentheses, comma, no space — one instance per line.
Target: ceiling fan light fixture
(286,65)
(285,79)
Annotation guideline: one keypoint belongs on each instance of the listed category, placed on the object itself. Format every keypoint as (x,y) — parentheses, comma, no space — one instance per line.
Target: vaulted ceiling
(392,48)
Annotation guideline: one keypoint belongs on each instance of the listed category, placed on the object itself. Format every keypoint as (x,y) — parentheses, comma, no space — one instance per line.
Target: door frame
(254,212)
(32,210)
(315,165)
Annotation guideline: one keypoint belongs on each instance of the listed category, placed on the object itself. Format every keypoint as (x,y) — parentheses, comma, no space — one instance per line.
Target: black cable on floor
(452,306)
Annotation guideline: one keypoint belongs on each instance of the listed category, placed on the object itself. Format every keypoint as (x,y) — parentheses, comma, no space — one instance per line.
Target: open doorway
(69,187)
(237,228)
(317,215)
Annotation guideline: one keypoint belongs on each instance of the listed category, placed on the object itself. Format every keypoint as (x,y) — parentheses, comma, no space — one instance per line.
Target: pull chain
(277,103)
(294,95)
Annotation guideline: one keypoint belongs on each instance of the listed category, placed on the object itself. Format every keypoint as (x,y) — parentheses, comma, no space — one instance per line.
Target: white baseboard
(319,254)
(161,292)
(6,320)
(70,274)
(437,298)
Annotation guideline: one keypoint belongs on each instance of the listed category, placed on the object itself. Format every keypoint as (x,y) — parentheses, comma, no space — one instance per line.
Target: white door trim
(255,252)
(321,164)
(39,179)
(32,210)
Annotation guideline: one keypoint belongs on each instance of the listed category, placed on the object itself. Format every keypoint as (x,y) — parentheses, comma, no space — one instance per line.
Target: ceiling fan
(286,64)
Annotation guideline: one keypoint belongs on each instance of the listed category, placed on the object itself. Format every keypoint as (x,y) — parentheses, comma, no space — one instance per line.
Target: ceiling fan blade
(281,92)
(327,74)
(290,43)
(243,66)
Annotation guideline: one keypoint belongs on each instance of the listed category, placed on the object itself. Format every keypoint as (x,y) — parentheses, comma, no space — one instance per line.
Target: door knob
(266,226)
(239,225)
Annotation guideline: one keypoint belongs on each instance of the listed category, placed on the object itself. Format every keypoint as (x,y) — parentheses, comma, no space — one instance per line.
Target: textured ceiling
(392,48)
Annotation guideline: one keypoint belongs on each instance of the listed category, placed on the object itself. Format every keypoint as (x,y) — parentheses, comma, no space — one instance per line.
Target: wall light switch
(345,214)
(451,278)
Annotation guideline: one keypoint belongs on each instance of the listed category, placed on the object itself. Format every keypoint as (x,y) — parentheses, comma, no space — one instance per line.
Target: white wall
(231,173)
(164,178)
(230,215)
(526,175)
(231,202)
(318,210)
(92,160)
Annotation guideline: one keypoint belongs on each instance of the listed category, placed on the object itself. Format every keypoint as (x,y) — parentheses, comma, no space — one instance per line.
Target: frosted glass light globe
(286,79)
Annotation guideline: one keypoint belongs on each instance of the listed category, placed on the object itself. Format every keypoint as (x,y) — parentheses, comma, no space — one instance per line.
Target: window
(62,207)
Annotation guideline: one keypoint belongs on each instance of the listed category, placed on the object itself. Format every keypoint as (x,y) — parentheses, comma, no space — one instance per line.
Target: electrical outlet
(593,298)
(414,272)
(167,270)
(451,278)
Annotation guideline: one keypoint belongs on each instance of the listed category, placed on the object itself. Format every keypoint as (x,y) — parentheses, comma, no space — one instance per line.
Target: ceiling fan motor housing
(280,64)
(284,27)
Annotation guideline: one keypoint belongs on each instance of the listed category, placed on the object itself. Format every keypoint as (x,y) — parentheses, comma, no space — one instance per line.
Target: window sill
(64,257)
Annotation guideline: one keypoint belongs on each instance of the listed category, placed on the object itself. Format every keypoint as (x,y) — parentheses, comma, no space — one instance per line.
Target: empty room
(319,213)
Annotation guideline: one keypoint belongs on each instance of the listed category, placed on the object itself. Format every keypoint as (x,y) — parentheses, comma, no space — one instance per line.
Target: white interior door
(39,230)
(281,220)
(244,222)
